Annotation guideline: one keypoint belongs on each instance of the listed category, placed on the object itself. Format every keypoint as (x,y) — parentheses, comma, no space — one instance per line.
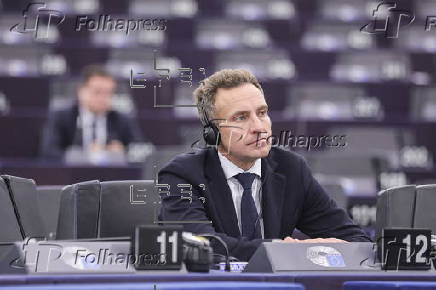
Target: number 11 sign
(158,247)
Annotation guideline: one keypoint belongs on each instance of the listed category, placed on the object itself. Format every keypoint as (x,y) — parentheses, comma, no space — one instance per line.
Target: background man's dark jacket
(291,198)
(61,131)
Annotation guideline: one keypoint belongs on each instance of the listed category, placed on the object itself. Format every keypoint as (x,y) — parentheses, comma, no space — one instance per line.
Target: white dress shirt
(86,121)
(230,170)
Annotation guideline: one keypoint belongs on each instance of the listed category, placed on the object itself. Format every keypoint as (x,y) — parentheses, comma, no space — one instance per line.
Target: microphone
(221,241)
(197,253)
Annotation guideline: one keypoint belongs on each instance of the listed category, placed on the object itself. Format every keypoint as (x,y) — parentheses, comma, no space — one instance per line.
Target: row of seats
(290,13)
(85,210)
(303,100)
(364,158)
(369,66)
(402,146)
(225,34)
(342,10)
(353,181)
(390,142)
(95,209)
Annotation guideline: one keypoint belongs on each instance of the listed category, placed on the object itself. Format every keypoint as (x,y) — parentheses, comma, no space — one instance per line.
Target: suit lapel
(273,189)
(221,194)
(75,127)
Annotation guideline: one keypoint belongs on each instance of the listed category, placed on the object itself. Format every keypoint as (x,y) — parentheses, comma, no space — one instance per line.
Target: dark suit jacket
(61,131)
(291,198)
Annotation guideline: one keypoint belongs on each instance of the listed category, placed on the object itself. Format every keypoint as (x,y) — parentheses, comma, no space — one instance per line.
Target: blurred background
(321,75)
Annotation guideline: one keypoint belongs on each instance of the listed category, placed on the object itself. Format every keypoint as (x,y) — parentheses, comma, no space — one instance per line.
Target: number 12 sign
(406,249)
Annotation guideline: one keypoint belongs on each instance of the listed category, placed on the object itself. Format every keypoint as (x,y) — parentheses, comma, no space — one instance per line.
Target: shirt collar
(88,117)
(230,169)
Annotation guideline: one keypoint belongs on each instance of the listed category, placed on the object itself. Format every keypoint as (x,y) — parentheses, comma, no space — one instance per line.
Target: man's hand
(115,146)
(95,147)
(318,240)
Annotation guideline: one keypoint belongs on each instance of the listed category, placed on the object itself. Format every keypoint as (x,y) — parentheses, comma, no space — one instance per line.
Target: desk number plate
(406,249)
(158,247)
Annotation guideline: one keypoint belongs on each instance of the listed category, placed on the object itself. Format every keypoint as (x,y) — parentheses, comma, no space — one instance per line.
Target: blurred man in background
(91,124)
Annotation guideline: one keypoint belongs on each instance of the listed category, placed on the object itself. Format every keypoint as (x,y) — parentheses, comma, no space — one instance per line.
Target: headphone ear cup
(211,135)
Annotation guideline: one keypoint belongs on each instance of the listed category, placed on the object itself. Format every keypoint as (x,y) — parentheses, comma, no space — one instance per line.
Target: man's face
(96,94)
(245,125)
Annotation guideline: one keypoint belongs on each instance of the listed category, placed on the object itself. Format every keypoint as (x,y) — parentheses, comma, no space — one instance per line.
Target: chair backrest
(10,228)
(376,138)
(357,173)
(49,198)
(345,164)
(395,208)
(78,211)
(126,204)
(425,216)
(423,103)
(323,100)
(96,209)
(407,206)
(23,195)
(156,161)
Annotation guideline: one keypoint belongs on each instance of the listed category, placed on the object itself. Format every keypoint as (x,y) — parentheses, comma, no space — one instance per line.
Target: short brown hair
(227,78)
(93,70)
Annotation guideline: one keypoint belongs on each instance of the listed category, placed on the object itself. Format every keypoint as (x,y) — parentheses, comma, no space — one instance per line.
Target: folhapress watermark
(108,257)
(388,19)
(40,256)
(107,23)
(38,19)
(287,140)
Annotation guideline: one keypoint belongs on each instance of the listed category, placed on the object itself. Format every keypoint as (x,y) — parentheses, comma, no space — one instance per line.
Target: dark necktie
(249,217)
(94,130)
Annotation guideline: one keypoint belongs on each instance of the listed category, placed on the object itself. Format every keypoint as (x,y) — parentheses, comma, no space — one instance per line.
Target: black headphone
(211,133)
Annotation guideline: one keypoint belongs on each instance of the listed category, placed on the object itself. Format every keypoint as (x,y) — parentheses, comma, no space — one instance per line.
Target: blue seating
(165,286)
(388,285)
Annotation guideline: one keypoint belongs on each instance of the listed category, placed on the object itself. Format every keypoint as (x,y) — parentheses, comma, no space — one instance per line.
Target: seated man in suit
(243,190)
(91,124)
